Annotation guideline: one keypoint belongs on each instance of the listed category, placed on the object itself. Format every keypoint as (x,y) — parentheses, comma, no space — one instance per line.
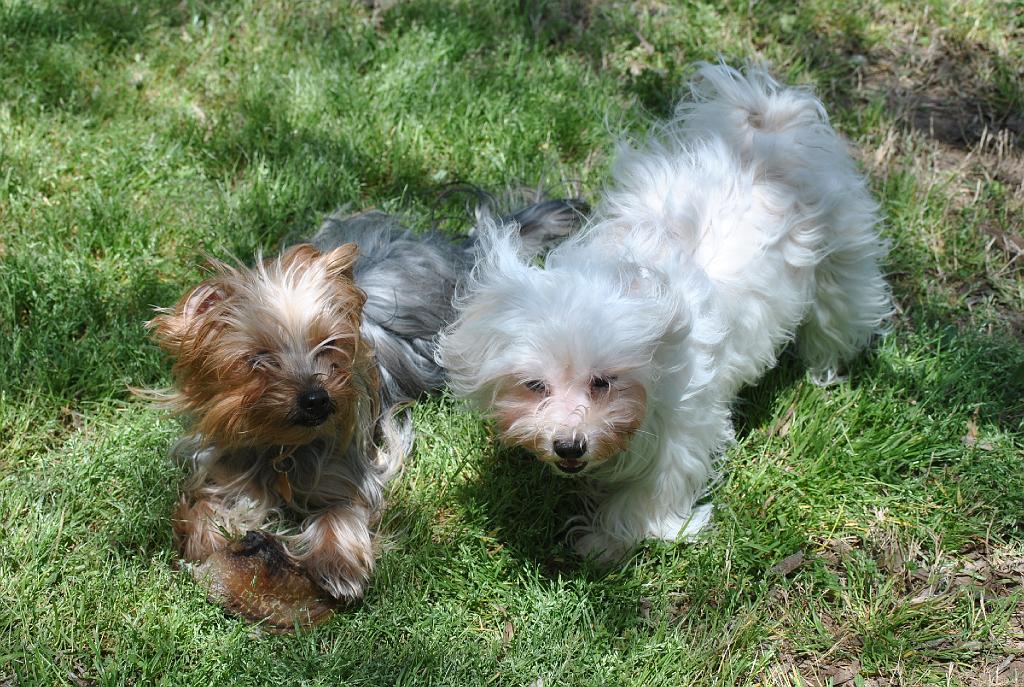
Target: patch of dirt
(1010,243)
(958,92)
(815,674)
(958,100)
(1006,673)
(446,525)
(937,91)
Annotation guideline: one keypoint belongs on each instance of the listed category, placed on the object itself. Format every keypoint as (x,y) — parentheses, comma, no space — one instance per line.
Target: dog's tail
(538,226)
(542,225)
(783,129)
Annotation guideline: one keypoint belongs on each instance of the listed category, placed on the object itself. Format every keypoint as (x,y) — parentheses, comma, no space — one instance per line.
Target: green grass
(137,137)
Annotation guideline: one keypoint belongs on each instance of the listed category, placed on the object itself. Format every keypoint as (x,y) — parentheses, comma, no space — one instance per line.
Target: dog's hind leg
(851,303)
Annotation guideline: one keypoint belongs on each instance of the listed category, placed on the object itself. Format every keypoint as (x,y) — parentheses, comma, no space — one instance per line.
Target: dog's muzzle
(314,407)
(569,453)
(571,467)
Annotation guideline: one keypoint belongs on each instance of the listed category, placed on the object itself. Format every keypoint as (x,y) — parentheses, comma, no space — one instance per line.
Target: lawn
(865,534)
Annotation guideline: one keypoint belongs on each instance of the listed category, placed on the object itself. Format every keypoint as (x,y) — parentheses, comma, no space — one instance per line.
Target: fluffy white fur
(740,224)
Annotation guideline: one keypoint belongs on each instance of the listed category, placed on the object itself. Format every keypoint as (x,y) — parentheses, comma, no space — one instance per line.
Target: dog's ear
(202,298)
(341,261)
(301,254)
(338,263)
(171,325)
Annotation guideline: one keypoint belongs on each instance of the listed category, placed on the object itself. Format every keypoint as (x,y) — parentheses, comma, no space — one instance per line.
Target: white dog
(741,224)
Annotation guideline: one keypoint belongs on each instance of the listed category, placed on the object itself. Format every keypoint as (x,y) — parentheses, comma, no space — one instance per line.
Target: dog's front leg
(197,531)
(637,511)
(663,503)
(335,547)
(207,516)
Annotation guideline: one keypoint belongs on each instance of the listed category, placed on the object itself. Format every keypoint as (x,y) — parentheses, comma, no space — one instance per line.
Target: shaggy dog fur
(740,224)
(293,375)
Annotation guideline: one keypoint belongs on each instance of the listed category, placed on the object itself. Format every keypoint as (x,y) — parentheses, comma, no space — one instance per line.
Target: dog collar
(282,464)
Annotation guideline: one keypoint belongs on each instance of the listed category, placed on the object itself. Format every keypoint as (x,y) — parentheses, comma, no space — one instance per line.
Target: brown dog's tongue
(253,579)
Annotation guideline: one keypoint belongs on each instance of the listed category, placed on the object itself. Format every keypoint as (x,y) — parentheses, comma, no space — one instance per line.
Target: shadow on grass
(113,24)
(60,45)
(261,129)
(527,507)
(512,505)
(574,27)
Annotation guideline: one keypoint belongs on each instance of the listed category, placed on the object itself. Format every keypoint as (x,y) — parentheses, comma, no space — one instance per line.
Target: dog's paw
(343,576)
(343,589)
(336,549)
(684,529)
(600,548)
(196,531)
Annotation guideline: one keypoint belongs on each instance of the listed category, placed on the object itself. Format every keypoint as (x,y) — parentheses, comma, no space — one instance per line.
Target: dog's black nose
(570,450)
(315,403)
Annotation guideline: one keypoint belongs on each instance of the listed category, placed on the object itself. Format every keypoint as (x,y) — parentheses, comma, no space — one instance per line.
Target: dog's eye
(537,386)
(600,384)
(262,359)
(329,346)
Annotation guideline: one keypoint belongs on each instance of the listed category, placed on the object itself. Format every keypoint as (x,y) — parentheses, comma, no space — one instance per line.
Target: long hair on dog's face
(564,357)
(270,355)
(570,418)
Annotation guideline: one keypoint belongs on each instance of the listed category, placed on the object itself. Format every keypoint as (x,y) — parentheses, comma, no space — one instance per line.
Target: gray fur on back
(409,282)
(410,279)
